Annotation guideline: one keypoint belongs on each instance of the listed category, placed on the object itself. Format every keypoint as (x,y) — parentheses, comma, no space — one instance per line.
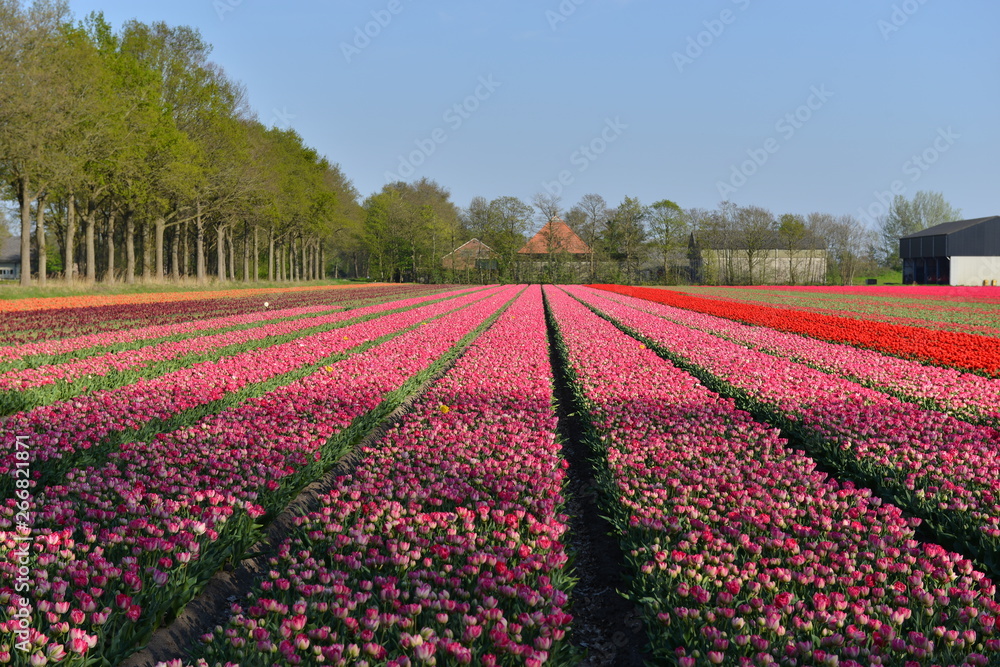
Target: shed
(963,252)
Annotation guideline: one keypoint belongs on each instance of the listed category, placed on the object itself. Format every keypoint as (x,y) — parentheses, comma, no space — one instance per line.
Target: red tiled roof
(555,236)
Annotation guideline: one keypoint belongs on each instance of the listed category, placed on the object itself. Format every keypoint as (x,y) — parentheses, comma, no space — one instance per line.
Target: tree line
(130,155)
(408,227)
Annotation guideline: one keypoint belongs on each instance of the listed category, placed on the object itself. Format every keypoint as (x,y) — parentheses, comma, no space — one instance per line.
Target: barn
(963,252)
(473,254)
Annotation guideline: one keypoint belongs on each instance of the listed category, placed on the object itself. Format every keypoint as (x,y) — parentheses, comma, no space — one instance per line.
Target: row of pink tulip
(445,545)
(118,546)
(137,359)
(257,312)
(125,336)
(745,554)
(81,425)
(966,395)
(938,467)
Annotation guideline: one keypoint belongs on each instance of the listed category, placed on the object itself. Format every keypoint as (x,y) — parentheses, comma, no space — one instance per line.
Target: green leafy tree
(907,216)
(792,233)
(668,231)
(625,234)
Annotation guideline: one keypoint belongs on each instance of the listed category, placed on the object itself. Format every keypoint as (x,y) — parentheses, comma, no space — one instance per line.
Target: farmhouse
(473,254)
(10,258)
(556,252)
(963,252)
(555,238)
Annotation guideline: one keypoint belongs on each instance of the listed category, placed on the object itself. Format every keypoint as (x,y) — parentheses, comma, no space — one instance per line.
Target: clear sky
(791,105)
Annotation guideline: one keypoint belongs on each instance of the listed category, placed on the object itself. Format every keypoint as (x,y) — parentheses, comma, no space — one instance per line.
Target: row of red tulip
(744,553)
(967,395)
(970,352)
(118,546)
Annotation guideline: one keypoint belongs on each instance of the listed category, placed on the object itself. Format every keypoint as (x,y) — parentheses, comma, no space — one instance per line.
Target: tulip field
(792,476)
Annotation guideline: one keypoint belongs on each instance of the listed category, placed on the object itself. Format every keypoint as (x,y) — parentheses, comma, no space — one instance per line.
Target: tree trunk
(270,256)
(24,199)
(175,260)
(91,221)
(129,248)
(43,255)
(147,254)
(69,249)
(220,252)
(160,227)
(300,257)
(322,262)
(232,256)
(200,246)
(185,249)
(246,253)
(256,255)
(109,277)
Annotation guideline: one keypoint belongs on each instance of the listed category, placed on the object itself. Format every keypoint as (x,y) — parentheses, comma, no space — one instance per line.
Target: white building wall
(974,270)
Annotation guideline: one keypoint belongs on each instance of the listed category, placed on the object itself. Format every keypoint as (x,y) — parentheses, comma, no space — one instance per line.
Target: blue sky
(794,106)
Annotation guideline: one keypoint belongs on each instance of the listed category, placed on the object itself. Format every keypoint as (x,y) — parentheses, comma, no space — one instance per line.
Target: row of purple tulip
(744,553)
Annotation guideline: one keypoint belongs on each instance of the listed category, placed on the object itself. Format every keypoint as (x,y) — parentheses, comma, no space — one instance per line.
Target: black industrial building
(964,252)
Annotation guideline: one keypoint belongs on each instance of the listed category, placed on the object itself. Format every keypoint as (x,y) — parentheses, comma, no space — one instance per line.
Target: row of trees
(409,227)
(135,155)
